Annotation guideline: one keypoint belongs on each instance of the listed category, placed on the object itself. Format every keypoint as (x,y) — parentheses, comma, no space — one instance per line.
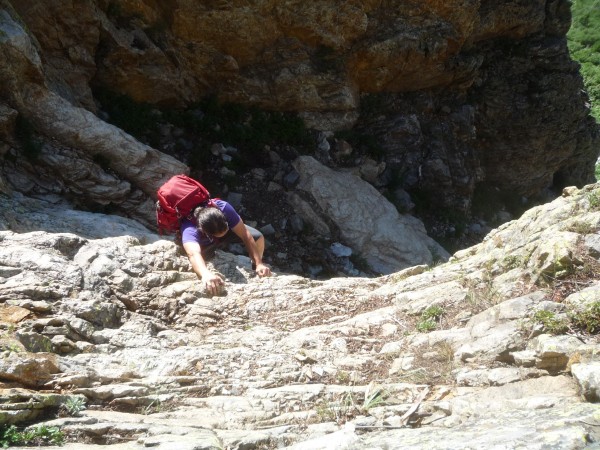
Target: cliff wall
(467,102)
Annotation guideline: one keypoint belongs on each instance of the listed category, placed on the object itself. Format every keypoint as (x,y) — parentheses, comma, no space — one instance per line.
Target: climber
(210,228)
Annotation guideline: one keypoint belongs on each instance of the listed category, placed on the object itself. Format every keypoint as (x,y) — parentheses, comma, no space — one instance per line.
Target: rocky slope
(498,348)
(107,334)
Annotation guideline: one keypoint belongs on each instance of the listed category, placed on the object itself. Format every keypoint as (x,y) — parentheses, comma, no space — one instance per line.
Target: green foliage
(430,319)
(343,407)
(594,199)
(374,396)
(551,323)
(580,227)
(433,312)
(510,262)
(10,436)
(588,319)
(155,406)
(585,320)
(74,405)
(10,347)
(339,409)
(481,294)
(343,377)
(584,44)
(425,326)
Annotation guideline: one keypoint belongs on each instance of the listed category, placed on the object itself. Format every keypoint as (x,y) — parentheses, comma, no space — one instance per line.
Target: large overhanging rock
(21,62)
(320,59)
(433,83)
(146,167)
(78,128)
(371,225)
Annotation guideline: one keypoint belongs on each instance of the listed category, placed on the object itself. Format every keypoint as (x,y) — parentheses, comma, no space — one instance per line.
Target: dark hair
(210,220)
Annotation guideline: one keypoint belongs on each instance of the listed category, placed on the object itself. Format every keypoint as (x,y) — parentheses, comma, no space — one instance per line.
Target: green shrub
(424,326)
(510,262)
(551,323)
(594,199)
(10,435)
(74,405)
(581,228)
(584,44)
(433,312)
(588,319)
(430,319)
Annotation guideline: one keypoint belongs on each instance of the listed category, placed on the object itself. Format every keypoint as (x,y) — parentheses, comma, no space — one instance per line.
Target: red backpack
(176,199)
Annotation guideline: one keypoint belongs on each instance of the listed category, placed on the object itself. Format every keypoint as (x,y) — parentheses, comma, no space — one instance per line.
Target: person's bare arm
(212,281)
(253,250)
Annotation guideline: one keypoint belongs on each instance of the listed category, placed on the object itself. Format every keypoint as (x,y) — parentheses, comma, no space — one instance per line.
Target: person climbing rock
(211,227)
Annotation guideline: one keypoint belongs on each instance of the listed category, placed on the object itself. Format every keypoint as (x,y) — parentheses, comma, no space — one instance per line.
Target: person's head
(211,221)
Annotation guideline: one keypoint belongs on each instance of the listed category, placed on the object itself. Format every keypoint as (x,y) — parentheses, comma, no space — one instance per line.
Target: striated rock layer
(108,335)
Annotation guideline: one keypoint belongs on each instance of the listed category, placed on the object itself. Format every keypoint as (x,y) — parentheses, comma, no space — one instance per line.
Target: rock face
(106,332)
(86,137)
(368,222)
(462,97)
(109,331)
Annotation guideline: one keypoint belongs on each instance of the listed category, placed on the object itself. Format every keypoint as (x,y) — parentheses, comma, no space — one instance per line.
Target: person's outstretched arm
(255,248)
(212,281)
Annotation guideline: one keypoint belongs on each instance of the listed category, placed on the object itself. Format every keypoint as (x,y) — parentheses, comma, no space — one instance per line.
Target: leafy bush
(584,44)
(74,405)
(430,318)
(426,325)
(594,199)
(588,319)
(585,320)
(10,435)
(551,322)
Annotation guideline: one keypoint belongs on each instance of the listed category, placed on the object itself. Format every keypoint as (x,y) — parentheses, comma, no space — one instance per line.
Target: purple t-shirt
(189,232)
